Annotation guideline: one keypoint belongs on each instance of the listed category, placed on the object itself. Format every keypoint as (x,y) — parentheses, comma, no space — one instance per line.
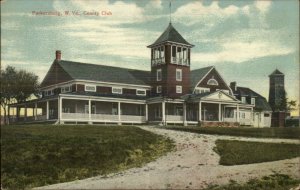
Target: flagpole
(170,6)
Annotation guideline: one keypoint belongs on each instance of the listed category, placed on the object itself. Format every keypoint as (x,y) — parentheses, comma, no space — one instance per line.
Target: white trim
(109,84)
(243,99)
(203,78)
(116,88)
(158,71)
(102,99)
(87,85)
(230,90)
(158,87)
(214,81)
(180,71)
(170,42)
(178,89)
(141,90)
(63,88)
(253,101)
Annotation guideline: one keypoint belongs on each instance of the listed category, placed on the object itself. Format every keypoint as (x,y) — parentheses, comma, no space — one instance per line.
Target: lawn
(242,152)
(286,133)
(39,155)
(272,182)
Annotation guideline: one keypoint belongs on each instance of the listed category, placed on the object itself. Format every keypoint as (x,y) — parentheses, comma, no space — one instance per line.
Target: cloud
(263,6)
(201,13)
(246,45)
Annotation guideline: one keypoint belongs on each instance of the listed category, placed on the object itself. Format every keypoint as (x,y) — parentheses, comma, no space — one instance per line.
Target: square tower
(170,64)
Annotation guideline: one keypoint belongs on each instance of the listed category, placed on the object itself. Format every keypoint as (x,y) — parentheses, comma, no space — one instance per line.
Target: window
(244,100)
(178,75)
(49,92)
(158,75)
(90,88)
(117,90)
(253,101)
(174,51)
(158,89)
(266,115)
(243,115)
(66,110)
(178,89)
(141,92)
(200,90)
(65,89)
(114,109)
(212,81)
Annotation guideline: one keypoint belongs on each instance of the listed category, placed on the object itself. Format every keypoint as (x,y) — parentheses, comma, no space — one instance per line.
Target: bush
(242,152)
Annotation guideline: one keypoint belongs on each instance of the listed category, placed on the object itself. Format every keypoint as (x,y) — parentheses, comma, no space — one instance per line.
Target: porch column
(18,113)
(119,113)
(59,109)
(35,112)
(252,118)
(163,113)
(8,116)
(184,114)
(146,112)
(90,112)
(237,113)
(220,119)
(47,110)
(200,115)
(25,112)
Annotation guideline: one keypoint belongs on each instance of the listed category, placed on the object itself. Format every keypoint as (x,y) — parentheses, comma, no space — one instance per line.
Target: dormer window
(213,82)
(243,100)
(65,89)
(90,88)
(253,101)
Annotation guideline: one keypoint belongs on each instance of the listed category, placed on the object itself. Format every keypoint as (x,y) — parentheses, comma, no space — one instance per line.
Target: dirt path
(193,165)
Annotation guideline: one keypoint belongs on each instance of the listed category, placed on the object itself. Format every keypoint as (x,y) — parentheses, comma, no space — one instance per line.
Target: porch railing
(174,118)
(106,117)
(102,117)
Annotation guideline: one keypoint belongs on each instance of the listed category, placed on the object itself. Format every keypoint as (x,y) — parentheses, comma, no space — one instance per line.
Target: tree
(16,85)
(8,88)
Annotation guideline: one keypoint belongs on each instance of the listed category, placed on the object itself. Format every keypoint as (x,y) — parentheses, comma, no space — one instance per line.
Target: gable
(56,74)
(220,96)
(209,80)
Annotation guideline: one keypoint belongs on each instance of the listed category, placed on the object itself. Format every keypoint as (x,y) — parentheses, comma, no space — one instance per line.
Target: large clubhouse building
(170,93)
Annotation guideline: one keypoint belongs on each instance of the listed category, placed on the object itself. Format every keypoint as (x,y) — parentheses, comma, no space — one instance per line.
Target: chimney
(233,86)
(58,55)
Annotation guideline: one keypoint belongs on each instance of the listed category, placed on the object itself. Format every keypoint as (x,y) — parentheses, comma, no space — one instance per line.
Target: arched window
(212,81)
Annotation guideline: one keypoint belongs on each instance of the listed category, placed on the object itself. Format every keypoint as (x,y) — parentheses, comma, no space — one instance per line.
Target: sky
(245,40)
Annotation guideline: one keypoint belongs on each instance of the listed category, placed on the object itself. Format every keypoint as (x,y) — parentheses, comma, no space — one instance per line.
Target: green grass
(39,155)
(272,182)
(286,133)
(241,152)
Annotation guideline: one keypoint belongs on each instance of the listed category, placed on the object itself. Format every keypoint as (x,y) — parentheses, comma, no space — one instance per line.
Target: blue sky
(245,40)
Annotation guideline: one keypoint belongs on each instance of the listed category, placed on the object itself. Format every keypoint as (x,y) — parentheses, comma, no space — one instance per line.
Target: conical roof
(276,72)
(170,35)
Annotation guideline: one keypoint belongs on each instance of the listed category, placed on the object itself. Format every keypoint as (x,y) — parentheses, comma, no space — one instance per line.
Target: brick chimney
(233,86)
(58,55)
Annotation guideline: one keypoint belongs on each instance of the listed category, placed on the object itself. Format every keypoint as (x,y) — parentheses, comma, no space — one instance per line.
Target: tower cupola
(170,64)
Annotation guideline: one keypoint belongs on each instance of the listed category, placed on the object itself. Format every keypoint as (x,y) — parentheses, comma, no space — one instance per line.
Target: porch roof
(95,94)
(35,100)
(211,96)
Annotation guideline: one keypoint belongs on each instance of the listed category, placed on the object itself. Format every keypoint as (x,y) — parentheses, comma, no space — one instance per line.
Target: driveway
(193,165)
